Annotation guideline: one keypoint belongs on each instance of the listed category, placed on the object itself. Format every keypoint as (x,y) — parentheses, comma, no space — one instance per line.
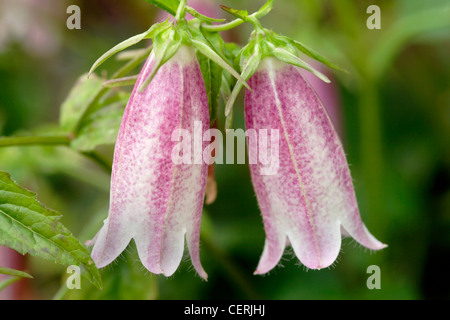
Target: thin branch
(34,140)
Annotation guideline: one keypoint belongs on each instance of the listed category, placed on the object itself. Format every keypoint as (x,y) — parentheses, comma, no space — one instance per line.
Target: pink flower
(310,201)
(154,201)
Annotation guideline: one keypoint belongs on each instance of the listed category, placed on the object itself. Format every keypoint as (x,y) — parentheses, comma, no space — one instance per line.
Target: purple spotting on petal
(327,93)
(311,197)
(153,200)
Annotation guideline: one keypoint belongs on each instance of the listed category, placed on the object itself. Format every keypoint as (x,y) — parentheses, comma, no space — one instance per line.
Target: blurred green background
(393,109)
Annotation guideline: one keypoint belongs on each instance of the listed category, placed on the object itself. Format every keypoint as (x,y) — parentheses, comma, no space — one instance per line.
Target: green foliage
(28,227)
(101,127)
(126,279)
(82,95)
(393,103)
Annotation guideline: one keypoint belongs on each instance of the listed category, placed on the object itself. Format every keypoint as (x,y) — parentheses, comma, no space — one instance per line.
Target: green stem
(223,27)
(181,11)
(53,141)
(35,140)
(371,151)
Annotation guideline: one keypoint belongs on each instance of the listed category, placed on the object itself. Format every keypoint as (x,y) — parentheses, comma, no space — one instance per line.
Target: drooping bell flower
(154,199)
(309,202)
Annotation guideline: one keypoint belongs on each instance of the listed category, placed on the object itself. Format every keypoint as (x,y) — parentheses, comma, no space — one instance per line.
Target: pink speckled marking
(312,195)
(153,200)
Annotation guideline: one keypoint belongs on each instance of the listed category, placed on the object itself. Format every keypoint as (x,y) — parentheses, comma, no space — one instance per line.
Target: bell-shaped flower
(153,200)
(310,202)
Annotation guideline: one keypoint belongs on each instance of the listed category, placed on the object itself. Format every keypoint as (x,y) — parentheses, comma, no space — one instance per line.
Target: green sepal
(289,58)
(165,45)
(315,55)
(149,34)
(247,71)
(121,82)
(206,50)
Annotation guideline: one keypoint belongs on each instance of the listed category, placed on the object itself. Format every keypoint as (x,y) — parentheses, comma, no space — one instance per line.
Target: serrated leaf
(170,6)
(100,128)
(15,273)
(28,227)
(83,93)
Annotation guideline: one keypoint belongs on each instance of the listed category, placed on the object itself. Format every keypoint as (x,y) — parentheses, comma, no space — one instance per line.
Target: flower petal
(154,200)
(312,193)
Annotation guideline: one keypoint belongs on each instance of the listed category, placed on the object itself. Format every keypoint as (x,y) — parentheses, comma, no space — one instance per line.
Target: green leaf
(28,227)
(15,273)
(212,76)
(84,92)
(100,128)
(170,6)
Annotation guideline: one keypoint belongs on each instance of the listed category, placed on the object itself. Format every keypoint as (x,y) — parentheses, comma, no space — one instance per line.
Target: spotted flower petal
(153,200)
(311,198)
